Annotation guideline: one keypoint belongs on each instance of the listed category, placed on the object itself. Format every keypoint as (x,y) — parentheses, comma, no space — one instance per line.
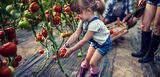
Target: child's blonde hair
(79,5)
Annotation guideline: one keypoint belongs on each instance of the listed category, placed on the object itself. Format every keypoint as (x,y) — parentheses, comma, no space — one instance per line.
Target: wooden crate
(117,29)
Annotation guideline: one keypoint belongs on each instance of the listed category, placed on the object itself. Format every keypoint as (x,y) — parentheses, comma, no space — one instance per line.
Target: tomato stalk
(57,49)
(67,22)
(60,64)
(61,43)
(74,22)
(51,38)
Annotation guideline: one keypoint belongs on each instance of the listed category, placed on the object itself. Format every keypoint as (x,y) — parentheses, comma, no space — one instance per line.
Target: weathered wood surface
(118,62)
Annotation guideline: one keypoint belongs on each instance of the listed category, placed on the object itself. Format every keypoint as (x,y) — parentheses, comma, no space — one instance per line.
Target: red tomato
(11,37)
(44,32)
(15,64)
(10,30)
(56,20)
(2,35)
(48,17)
(67,9)
(47,12)
(34,7)
(54,57)
(23,2)
(62,52)
(6,22)
(11,33)
(5,72)
(39,38)
(18,58)
(8,49)
(41,51)
(57,8)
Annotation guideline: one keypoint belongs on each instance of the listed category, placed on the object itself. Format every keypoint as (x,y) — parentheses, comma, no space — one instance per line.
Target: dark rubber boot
(145,41)
(94,75)
(153,47)
(82,72)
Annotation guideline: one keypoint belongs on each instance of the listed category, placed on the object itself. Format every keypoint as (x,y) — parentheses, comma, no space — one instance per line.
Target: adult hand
(141,2)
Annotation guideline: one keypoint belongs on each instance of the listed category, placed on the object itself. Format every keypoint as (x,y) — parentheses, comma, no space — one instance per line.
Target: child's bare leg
(90,53)
(95,70)
(85,63)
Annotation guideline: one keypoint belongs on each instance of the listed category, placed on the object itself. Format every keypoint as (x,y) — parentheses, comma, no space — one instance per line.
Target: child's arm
(73,37)
(85,39)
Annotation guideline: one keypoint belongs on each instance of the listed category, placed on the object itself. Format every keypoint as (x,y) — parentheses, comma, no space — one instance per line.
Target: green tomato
(12,69)
(15,13)
(29,15)
(23,24)
(79,54)
(9,8)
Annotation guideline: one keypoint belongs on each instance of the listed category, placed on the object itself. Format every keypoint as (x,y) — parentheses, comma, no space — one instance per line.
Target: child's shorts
(154,2)
(103,49)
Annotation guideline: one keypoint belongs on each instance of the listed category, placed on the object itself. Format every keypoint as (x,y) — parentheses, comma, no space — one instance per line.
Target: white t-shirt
(101,33)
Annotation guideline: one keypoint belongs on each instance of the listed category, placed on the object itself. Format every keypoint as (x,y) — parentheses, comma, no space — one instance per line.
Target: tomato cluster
(56,15)
(65,34)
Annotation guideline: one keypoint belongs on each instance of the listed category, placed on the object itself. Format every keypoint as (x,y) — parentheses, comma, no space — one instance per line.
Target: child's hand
(68,53)
(62,47)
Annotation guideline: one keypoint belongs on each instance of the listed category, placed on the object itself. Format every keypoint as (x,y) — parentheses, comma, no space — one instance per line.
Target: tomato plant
(53,18)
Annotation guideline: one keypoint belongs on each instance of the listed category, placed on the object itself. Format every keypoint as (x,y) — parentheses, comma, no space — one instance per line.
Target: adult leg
(85,63)
(95,70)
(149,13)
(155,39)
